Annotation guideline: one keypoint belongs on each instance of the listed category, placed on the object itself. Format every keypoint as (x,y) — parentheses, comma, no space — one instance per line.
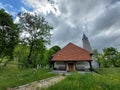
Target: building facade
(72,57)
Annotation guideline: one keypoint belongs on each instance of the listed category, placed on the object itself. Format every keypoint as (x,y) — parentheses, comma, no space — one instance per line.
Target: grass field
(12,77)
(104,79)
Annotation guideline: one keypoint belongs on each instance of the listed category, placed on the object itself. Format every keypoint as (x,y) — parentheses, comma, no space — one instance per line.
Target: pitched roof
(72,52)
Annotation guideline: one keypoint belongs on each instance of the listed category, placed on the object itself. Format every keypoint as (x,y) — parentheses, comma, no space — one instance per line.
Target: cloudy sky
(98,19)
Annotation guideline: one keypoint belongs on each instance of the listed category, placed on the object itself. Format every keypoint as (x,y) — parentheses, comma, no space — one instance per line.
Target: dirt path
(40,84)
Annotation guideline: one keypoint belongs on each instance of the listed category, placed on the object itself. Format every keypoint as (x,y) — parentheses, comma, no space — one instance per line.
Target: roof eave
(70,60)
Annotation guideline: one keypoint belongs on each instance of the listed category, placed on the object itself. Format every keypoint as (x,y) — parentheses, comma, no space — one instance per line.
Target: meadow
(12,76)
(104,79)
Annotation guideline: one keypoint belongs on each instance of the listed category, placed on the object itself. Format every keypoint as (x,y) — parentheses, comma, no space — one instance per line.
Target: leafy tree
(38,54)
(55,48)
(9,34)
(37,31)
(110,56)
(49,54)
(20,53)
(118,60)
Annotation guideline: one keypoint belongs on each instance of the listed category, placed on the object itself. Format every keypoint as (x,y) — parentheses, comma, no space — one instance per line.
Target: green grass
(12,77)
(106,79)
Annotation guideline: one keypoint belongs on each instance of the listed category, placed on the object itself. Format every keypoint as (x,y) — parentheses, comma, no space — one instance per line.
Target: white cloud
(99,19)
(24,10)
(16,20)
(42,6)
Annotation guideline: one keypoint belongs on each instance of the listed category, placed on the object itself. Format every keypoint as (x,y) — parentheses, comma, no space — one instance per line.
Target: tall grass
(105,80)
(12,77)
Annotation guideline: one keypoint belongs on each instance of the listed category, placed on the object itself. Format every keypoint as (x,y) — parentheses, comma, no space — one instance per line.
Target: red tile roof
(72,52)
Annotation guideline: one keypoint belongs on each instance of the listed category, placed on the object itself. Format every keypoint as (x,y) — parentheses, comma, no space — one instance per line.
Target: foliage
(12,77)
(105,80)
(110,55)
(9,34)
(44,58)
(117,62)
(109,58)
(20,54)
(38,33)
(49,54)
(55,48)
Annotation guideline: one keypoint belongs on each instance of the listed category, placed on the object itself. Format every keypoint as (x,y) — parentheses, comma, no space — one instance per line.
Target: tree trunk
(30,53)
(113,63)
(99,65)
(1,52)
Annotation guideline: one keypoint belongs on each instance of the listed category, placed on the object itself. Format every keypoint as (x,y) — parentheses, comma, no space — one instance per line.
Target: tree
(20,54)
(9,34)
(49,54)
(110,56)
(37,30)
(118,60)
(55,48)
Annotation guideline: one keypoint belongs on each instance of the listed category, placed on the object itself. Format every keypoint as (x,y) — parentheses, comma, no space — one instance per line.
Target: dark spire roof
(84,36)
(86,43)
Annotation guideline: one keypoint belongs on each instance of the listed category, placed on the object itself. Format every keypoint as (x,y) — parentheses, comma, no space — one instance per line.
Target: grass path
(11,77)
(40,84)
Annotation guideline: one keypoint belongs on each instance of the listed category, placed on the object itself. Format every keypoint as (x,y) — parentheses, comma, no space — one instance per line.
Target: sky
(98,19)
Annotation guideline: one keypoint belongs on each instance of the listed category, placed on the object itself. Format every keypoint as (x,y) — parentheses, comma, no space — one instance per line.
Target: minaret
(86,43)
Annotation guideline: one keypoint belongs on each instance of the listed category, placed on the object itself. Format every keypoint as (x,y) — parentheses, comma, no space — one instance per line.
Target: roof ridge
(78,47)
(72,52)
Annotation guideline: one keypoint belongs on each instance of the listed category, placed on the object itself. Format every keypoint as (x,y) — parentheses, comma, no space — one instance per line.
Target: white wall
(95,64)
(78,64)
(59,64)
(83,64)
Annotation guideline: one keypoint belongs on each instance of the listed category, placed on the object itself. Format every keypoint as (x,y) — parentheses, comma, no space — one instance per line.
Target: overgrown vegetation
(9,34)
(25,41)
(109,58)
(37,32)
(22,48)
(44,58)
(12,77)
(107,79)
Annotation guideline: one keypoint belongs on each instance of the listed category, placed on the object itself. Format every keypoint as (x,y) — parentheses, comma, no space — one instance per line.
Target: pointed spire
(84,36)
(86,43)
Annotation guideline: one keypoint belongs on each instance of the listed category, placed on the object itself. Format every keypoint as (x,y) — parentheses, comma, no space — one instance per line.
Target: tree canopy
(36,32)
(9,34)
(109,58)
(49,54)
